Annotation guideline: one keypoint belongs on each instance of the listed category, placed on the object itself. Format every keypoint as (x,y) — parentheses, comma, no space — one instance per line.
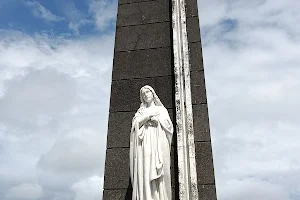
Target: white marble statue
(150,143)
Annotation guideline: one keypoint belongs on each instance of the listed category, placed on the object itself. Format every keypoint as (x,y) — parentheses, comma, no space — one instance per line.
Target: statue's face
(147,95)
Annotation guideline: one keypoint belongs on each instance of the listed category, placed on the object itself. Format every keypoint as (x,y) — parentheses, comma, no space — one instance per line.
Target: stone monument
(158,44)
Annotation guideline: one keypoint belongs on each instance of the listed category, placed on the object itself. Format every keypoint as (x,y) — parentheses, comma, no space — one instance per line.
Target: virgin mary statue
(150,143)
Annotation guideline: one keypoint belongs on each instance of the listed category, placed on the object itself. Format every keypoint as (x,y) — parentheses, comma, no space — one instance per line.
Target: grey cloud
(88,189)
(33,100)
(79,151)
(25,191)
(73,166)
(252,188)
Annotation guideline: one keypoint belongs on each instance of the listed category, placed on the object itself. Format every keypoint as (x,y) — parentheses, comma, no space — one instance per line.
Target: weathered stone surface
(204,162)
(196,59)
(125,94)
(143,63)
(117,194)
(201,122)
(193,29)
(173,171)
(143,13)
(207,192)
(119,128)
(172,115)
(117,174)
(120,98)
(191,8)
(198,87)
(131,1)
(165,91)
(143,36)
(175,194)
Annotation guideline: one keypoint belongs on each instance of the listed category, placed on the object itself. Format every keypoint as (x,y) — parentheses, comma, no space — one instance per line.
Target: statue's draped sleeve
(166,124)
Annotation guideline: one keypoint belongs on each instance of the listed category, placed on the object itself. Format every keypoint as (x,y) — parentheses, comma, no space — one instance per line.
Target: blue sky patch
(228,25)
(57,16)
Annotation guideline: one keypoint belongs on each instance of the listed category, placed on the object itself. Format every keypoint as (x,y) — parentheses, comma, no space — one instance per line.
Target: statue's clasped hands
(153,117)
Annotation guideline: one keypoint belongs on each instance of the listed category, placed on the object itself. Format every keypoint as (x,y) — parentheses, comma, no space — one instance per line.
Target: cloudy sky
(55,68)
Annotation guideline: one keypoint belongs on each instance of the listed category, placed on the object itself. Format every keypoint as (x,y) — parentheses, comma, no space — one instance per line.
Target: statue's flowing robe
(150,156)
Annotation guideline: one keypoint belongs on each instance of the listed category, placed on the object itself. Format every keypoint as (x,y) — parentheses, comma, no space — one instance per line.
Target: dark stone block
(191,8)
(175,193)
(121,194)
(131,1)
(193,30)
(125,94)
(198,87)
(172,115)
(143,13)
(119,128)
(120,97)
(117,174)
(207,192)
(164,90)
(196,59)
(143,36)
(174,173)
(204,162)
(173,119)
(201,122)
(173,167)
(143,63)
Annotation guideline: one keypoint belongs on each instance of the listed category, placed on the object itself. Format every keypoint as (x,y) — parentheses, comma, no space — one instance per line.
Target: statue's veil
(157,101)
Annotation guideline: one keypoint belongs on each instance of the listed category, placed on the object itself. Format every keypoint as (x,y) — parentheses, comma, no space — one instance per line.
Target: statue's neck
(150,104)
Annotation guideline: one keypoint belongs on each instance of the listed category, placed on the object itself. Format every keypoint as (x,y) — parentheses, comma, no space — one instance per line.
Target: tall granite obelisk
(158,44)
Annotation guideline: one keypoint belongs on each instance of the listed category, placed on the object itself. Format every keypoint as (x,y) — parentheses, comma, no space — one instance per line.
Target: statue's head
(147,95)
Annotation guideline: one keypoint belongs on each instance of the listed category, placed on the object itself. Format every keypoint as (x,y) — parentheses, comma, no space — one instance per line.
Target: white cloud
(88,189)
(40,11)
(85,59)
(34,70)
(104,13)
(25,191)
(101,15)
(76,25)
(76,19)
(252,72)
